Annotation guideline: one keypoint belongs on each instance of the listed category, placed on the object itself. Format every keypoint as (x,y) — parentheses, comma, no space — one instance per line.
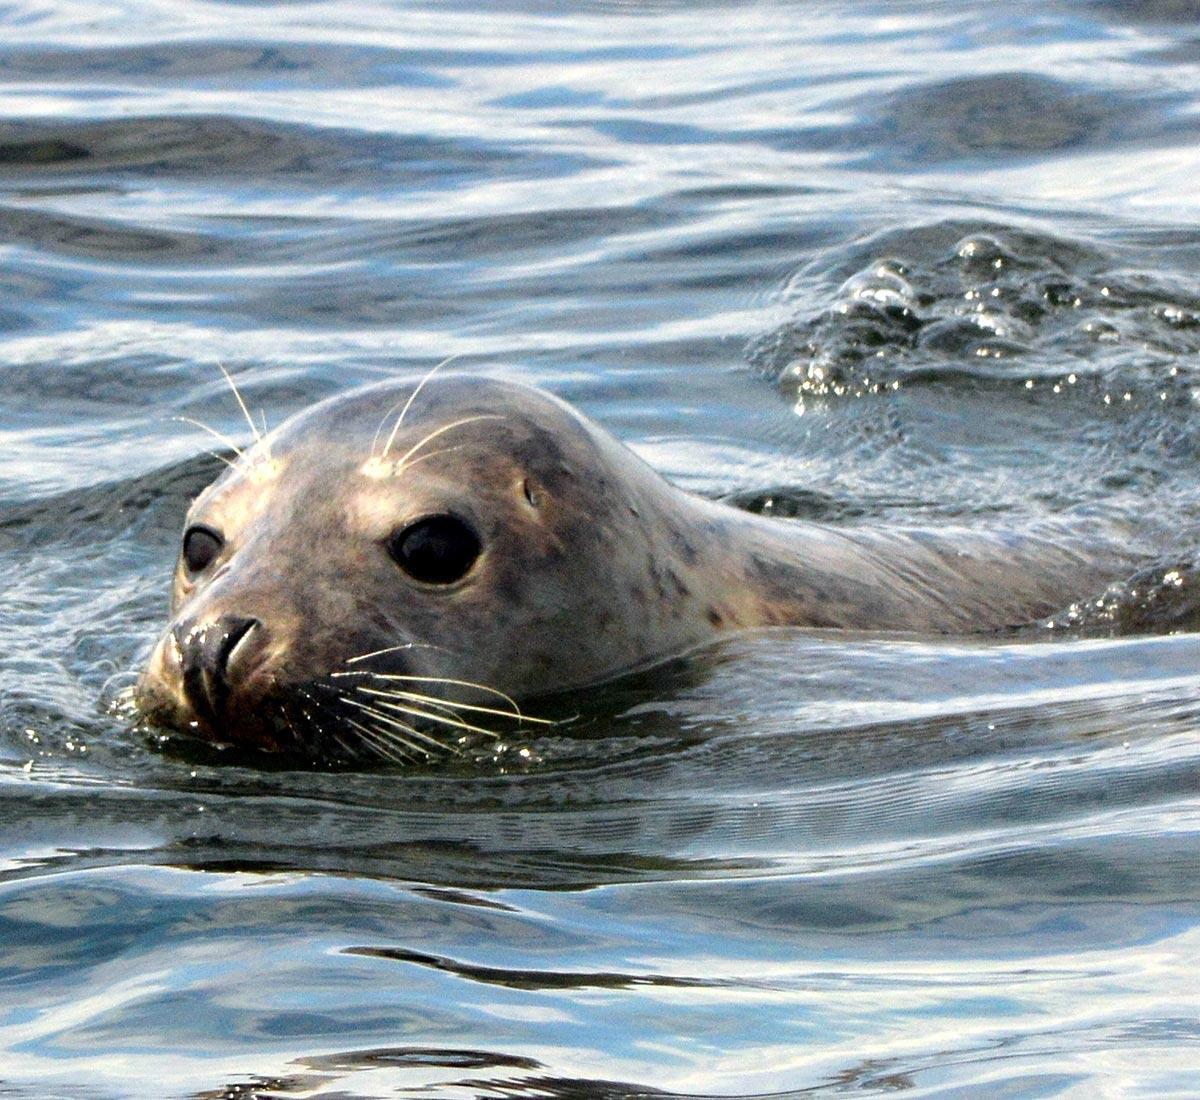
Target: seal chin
(273,723)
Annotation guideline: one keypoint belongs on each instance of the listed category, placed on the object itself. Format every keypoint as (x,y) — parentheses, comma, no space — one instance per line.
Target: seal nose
(212,656)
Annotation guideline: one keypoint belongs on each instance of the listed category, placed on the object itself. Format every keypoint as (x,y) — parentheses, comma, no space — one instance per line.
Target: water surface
(882,263)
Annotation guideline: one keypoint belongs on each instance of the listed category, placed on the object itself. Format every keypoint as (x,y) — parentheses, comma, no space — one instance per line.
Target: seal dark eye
(436,550)
(200,548)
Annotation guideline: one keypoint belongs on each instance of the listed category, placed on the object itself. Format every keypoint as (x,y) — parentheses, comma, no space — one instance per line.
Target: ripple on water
(956,246)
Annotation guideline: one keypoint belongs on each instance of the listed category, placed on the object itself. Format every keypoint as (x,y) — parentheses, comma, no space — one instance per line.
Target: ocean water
(871,263)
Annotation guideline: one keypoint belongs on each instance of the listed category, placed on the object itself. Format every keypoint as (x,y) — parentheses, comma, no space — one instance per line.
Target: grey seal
(401,564)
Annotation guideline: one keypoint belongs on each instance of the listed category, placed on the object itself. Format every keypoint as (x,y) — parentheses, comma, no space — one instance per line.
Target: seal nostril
(235,632)
(211,657)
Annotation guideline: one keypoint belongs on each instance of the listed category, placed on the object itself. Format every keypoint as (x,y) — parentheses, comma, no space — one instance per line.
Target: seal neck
(943,580)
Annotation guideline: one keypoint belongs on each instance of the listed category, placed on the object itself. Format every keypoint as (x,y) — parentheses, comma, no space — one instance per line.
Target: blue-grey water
(878,262)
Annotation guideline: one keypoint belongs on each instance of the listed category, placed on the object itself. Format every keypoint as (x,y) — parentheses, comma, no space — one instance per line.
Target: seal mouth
(356,715)
(217,682)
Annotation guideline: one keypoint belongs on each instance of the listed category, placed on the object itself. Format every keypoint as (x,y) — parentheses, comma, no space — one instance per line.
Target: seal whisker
(376,740)
(382,652)
(516,710)
(384,736)
(351,753)
(433,717)
(438,704)
(407,405)
(380,745)
(317,728)
(258,436)
(287,717)
(384,420)
(395,723)
(313,727)
(220,436)
(418,697)
(403,702)
(445,705)
(457,723)
(400,465)
(221,458)
(388,743)
(433,454)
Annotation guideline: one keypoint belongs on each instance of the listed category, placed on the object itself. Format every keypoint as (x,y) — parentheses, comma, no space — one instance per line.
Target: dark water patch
(560,1088)
(50,151)
(1182,12)
(524,979)
(1000,118)
(306,65)
(78,390)
(192,146)
(104,240)
(153,504)
(1009,116)
(419,1056)
(1159,599)
(790,502)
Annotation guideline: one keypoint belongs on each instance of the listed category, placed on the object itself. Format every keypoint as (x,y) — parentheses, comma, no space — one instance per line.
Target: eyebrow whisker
(407,405)
(258,436)
(400,465)
(220,436)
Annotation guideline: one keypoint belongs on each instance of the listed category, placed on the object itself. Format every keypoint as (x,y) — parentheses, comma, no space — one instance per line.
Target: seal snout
(215,658)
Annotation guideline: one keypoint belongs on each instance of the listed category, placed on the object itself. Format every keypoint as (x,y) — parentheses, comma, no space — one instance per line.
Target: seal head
(461,544)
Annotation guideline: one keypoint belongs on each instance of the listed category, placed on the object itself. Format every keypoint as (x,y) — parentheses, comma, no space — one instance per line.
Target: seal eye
(200,548)
(435,550)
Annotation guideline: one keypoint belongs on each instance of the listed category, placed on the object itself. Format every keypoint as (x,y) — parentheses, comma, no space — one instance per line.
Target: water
(873,263)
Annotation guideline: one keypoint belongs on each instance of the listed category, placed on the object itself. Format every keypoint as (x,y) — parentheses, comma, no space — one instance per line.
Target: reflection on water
(863,263)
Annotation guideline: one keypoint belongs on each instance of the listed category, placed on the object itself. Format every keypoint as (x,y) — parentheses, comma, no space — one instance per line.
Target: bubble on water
(997,303)
(1160,599)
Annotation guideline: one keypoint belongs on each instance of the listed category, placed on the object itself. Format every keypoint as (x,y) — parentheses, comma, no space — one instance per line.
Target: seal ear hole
(436,549)
(531,493)
(201,547)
